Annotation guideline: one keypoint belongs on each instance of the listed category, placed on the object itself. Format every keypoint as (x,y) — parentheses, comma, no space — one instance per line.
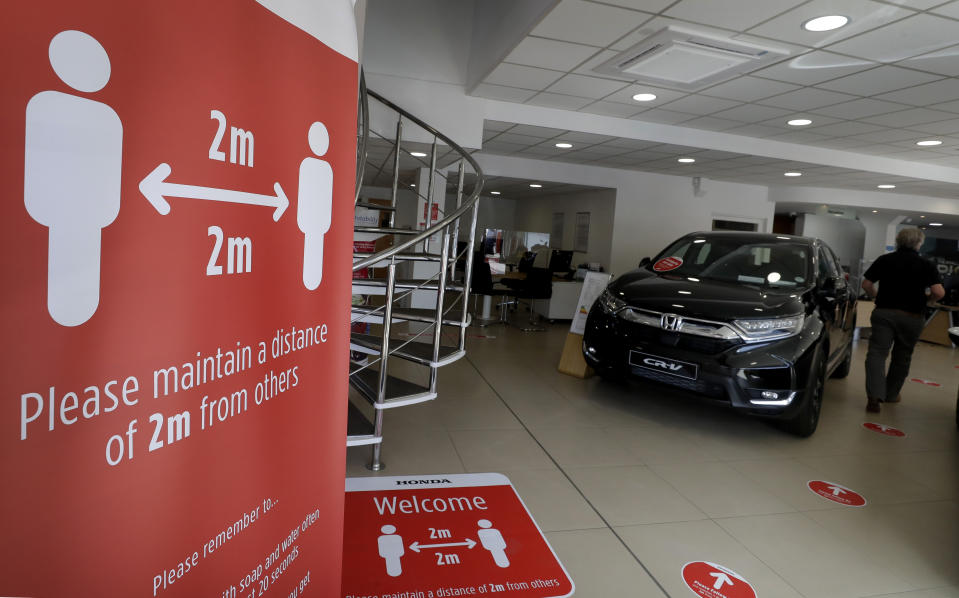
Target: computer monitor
(560,260)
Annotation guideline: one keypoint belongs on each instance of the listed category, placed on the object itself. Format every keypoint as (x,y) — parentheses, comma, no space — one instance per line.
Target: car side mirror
(644,261)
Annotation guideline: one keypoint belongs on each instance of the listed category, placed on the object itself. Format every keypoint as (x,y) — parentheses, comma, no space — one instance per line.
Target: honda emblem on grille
(671,322)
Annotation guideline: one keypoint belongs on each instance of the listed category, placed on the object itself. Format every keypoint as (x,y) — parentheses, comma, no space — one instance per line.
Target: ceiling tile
(497,125)
(797,137)
(947,106)
(702,105)
(879,80)
(586,87)
(710,123)
(912,36)
(886,136)
(558,100)
(659,115)
(843,129)
(644,5)
(916,4)
(738,15)
(550,54)
(598,59)
(861,108)
(841,143)
(943,62)
(586,138)
(813,68)
(625,96)
(526,77)
(948,10)
(750,113)
(906,118)
(748,89)
(923,95)
(534,131)
(942,127)
(806,99)
(631,144)
(501,147)
(588,23)
(499,92)
(510,137)
(864,15)
(611,109)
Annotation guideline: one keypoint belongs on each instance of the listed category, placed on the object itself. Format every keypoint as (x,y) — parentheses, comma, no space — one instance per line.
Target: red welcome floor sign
(837,493)
(710,580)
(445,535)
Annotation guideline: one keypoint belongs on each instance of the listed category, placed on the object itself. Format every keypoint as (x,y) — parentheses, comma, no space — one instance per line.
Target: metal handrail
(445,222)
(364,108)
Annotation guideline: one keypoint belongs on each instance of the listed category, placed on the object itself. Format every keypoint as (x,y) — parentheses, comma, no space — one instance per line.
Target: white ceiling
(875,87)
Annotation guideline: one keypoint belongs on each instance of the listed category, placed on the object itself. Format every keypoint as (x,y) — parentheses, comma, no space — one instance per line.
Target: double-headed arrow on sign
(155,188)
(416,546)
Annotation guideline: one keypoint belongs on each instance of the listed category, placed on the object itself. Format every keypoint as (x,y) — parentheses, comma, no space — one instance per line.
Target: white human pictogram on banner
(314,204)
(391,549)
(72,157)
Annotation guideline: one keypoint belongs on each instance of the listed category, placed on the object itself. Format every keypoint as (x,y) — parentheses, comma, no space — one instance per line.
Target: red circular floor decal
(837,493)
(667,263)
(924,381)
(710,580)
(884,429)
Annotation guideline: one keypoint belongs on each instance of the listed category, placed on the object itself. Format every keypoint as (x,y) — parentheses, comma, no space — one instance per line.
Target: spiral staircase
(410,296)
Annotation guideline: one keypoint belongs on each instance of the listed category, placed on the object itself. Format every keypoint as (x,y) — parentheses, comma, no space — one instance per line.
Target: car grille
(649,335)
(697,386)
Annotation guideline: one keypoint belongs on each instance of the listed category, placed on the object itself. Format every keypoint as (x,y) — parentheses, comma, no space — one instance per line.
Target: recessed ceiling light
(412,184)
(875,211)
(825,23)
(928,142)
(535,185)
(564,145)
(799,122)
(935,224)
(686,160)
(792,174)
(494,192)
(644,97)
(885,186)
(922,216)
(418,154)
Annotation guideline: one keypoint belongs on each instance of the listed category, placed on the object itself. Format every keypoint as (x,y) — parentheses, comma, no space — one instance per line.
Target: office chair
(538,284)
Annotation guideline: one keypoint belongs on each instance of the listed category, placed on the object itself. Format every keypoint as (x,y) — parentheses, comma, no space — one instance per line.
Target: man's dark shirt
(903,278)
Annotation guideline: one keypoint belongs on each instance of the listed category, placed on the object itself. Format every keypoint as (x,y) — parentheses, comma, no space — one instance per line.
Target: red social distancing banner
(445,535)
(176,238)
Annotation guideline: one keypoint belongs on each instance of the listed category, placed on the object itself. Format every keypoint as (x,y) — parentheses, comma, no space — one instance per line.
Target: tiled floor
(632,481)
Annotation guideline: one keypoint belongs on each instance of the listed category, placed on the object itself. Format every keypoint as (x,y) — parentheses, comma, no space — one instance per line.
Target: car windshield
(733,260)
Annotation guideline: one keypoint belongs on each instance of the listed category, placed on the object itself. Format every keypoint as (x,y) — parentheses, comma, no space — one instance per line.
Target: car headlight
(610,303)
(754,331)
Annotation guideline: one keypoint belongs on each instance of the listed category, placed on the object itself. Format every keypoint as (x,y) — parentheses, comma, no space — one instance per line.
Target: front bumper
(765,379)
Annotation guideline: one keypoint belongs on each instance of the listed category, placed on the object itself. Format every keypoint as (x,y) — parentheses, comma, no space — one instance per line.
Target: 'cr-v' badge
(671,322)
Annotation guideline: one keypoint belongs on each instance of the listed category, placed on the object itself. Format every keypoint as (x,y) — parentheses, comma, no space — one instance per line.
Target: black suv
(758,320)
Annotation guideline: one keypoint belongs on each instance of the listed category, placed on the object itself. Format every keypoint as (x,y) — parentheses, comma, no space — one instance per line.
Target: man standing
(908,283)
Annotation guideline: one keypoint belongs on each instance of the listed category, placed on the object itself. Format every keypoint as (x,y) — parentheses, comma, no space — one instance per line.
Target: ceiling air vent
(689,60)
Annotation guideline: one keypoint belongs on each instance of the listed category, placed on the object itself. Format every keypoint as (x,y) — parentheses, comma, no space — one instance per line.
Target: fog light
(772,398)
(770,395)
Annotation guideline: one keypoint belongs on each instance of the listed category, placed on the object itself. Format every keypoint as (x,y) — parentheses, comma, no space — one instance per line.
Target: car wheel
(807,419)
(842,370)
(610,374)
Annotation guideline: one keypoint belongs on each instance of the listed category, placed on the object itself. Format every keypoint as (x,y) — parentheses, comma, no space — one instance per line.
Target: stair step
(380,283)
(375,206)
(374,315)
(421,353)
(399,392)
(359,429)
(401,257)
(385,231)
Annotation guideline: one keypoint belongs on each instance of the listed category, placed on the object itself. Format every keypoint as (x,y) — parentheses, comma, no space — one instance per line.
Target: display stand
(572,361)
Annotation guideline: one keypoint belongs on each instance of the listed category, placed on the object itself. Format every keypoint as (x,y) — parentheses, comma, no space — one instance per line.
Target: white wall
(651,210)
(845,236)
(536,214)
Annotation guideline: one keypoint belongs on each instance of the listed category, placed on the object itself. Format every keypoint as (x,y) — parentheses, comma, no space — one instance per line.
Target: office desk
(562,305)
(937,325)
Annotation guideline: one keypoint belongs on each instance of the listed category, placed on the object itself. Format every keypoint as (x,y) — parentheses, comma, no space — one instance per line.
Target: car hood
(706,299)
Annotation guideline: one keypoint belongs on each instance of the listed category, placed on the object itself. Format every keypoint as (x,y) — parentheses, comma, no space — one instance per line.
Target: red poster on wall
(176,239)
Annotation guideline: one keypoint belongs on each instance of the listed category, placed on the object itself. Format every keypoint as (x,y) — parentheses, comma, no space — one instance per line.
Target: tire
(842,370)
(804,423)
(610,375)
